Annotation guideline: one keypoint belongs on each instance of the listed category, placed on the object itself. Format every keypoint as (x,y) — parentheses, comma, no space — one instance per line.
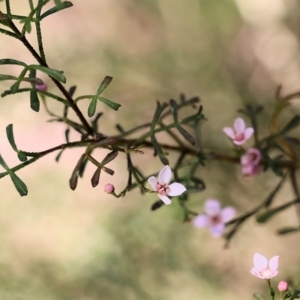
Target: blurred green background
(85,245)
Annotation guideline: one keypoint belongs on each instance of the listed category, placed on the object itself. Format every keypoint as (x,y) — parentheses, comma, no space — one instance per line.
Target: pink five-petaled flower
(162,187)
(263,268)
(250,162)
(214,217)
(239,133)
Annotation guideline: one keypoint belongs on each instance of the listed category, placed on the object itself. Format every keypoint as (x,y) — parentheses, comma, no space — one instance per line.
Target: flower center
(239,136)
(216,220)
(162,189)
(266,273)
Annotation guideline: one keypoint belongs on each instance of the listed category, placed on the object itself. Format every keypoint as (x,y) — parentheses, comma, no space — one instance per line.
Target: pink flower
(282,286)
(162,187)
(109,188)
(214,217)
(41,87)
(250,162)
(239,133)
(264,269)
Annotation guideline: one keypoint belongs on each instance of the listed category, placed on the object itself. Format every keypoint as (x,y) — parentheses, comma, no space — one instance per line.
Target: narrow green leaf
(264,217)
(3,163)
(10,61)
(257,296)
(67,134)
(15,87)
(10,136)
(158,111)
(9,33)
(158,151)
(174,109)
(57,158)
(74,177)
(96,177)
(286,230)
(104,84)
(109,157)
(55,9)
(292,124)
(19,184)
(27,26)
(186,135)
(7,77)
(111,104)
(92,108)
(51,72)
(34,100)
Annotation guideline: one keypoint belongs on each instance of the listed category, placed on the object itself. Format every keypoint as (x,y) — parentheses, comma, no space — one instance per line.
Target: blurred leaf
(72,90)
(286,230)
(67,133)
(9,33)
(82,167)
(59,6)
(96,177)
(10,136)
(174,109)
(264,217)
(92,108)
(34,100)
(3,163)
(51,72)
(74,177)
(111,104)
(9,61)
(158,151)
(156,205)
(7,77)
(57,158)
(272,195)
(292,124)
(104,84)
(258,296)
(295,295)
(186,135)
(159,109)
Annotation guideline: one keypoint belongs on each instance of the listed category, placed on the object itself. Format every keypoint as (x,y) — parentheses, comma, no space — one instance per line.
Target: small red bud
(109,188)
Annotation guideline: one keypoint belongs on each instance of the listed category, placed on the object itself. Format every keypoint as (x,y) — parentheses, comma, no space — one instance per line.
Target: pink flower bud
(250,162)
(282,286)
(109,188)
(41,87)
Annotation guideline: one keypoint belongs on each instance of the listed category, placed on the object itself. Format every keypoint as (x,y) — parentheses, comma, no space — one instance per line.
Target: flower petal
(248,133)
(273,264)
(229,131)
(212,207)
(217,230)
(227,214)
(153,182)
(165,175)
(201,221)
(239,125)
(254,272)
(176,189)
(164,199)
(260,262)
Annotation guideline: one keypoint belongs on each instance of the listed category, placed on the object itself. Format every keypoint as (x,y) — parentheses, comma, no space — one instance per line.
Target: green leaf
(286,230)
(174,109)
(96,177)
(156,205)
(10,137)
(111,104)
(9,61)
(34,100)
(186,135)
(51,72)
(9,33)
(109,157)
(158,151)
(74,177)
(7,77)
(104,84)
(257,296)
(3,164)
(158,112)
(292,124)
(59,6)
(264,217)
(92,107)
(57,158)
(19,184)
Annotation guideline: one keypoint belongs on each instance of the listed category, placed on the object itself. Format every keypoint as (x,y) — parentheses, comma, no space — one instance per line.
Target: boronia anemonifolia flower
(214,217)
(239,133)
(250,162)
(162,187)
(263,268)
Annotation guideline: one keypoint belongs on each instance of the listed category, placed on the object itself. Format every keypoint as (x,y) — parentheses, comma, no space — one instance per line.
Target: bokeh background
(85,245)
